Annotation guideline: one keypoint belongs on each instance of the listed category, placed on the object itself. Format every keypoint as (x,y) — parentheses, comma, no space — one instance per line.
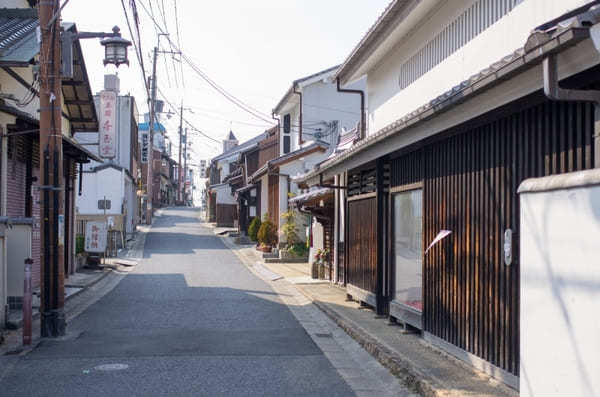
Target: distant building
(111,187)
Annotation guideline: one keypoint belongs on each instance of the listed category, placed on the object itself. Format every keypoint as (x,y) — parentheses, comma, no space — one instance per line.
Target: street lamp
(115,49)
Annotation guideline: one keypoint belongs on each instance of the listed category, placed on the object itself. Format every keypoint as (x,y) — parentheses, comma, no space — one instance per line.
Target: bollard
(27,310)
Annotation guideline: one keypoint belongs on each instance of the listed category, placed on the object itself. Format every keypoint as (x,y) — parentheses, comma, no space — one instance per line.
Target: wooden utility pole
(150,178)
(53,322)
(179,171)
(185,156)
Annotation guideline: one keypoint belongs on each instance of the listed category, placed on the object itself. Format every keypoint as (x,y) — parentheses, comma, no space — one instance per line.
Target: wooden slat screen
(362,244)
(471,298)
(274,200)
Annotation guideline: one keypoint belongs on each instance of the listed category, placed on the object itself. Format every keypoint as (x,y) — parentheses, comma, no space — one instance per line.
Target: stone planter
(314,270)
(264,249)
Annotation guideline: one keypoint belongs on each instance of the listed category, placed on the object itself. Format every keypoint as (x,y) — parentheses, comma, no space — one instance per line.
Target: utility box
(560,285)
(18,248)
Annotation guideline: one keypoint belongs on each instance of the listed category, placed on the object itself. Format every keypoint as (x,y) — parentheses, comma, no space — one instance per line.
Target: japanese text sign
(108,118)
(95,237)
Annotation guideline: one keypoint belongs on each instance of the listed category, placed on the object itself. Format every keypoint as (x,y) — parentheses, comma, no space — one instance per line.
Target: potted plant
(254,228)
(316,264)
(267,237)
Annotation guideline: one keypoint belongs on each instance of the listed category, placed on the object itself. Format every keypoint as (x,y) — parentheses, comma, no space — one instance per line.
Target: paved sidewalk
(81,289)
(427,370)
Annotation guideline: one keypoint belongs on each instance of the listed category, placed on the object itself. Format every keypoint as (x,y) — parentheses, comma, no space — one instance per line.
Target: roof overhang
(407,130)
(78,152)
(77,93)
(299,84)
(396,21)
(312,195)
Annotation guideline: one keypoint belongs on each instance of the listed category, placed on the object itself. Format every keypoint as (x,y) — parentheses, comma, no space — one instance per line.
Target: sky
(253,49)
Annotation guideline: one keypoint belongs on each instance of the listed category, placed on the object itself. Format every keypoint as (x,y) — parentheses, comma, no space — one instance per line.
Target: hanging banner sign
(108,118)
(145,145)
(441,235)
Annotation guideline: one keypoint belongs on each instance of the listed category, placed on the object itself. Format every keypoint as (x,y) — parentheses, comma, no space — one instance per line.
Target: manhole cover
(111,367)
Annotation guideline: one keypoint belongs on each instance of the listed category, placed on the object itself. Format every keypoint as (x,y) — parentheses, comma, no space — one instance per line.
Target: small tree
(289,227)
(266,234)
(254,228)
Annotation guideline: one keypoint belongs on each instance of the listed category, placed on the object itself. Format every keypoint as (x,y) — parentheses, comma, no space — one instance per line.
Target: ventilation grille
(477,18)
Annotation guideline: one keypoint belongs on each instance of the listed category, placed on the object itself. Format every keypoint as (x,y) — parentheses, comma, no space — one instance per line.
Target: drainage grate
(111,367)
(324,335)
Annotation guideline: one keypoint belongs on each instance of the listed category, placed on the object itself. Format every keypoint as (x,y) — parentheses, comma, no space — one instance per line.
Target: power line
(178,41)
(211,82)
(175,110)
(137,46)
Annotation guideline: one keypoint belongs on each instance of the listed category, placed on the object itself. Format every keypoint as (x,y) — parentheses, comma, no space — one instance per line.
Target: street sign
(144,148)
(108,117)
(95,237)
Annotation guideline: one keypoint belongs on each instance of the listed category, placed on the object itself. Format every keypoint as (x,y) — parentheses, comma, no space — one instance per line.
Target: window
(286,133)
(408,244)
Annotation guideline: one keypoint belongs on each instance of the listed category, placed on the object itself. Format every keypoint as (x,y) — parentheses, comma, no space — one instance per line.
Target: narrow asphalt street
(191,319)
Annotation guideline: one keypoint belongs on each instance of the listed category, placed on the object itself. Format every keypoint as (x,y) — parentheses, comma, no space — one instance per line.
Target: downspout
(300,141)
(554,92)
(363,123)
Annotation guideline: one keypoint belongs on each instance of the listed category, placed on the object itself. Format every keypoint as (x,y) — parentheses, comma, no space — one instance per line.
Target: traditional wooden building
(440,182)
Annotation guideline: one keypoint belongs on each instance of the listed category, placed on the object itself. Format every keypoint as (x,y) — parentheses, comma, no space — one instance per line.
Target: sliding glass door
(408,245)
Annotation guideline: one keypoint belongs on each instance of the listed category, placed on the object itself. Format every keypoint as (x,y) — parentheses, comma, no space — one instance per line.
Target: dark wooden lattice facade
(469,176)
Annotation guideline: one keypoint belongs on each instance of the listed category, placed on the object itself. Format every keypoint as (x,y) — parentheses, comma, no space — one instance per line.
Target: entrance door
(407,303)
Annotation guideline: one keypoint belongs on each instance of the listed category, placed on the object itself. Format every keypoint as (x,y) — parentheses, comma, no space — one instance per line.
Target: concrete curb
(395,364)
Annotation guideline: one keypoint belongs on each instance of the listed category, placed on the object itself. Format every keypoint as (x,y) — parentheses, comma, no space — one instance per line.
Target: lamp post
(53,322)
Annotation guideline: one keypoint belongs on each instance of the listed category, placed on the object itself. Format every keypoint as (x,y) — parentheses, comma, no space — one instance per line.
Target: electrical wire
(137,46)
(211,82)
(176,111)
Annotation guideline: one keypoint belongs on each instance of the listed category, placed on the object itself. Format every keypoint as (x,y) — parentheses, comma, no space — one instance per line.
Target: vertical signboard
(108,117)
(144,147)
(95,237)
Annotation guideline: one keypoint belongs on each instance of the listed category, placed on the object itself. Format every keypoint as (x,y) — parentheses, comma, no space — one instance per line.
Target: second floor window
(286,133)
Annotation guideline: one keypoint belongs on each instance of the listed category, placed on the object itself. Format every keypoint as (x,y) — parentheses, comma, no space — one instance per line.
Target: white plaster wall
(560,293)
(107,182)
(9,85)
(388,103)
(224,195)
(323,103)
(264,196)
(317,233)
(15,4)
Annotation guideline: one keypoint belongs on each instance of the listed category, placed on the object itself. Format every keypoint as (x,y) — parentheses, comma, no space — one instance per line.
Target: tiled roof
(18,42)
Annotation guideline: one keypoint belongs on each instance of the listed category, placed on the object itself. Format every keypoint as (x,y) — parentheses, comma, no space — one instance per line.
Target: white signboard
(108,117)
(95,237)
(145,148)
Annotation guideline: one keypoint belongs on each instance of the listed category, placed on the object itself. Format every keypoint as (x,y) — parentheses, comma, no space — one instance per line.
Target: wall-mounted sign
(95,236)
(108,118)
(145,144)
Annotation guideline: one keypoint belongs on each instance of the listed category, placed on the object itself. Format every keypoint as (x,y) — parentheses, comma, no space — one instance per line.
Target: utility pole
(179,172)
(53,322)
(185,156)
(150,178)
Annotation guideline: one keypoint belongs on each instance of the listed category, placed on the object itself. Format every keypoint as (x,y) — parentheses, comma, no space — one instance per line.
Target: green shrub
(267,234)
(298,249)
(254,228)
(79,244)
(289,227)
